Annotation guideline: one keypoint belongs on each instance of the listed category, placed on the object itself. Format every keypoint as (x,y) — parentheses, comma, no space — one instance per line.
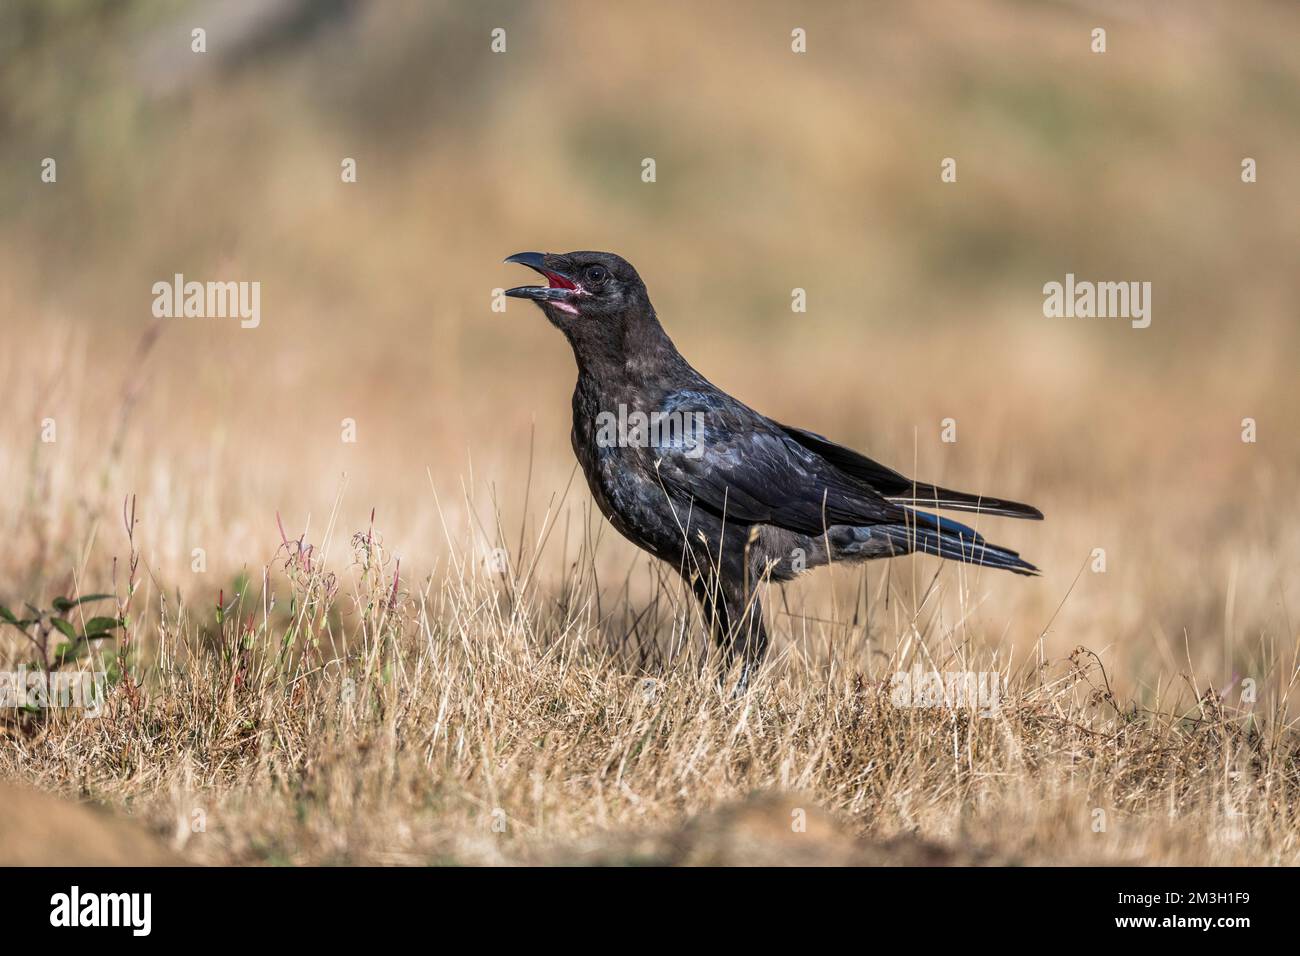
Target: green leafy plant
(59,625)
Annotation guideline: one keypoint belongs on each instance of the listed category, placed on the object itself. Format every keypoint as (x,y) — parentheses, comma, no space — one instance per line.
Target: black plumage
(729,497)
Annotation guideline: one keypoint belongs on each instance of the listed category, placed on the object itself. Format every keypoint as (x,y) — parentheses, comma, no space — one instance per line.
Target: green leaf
(64,627)
(102,624)
(22,624)
(66,604)
(97,637)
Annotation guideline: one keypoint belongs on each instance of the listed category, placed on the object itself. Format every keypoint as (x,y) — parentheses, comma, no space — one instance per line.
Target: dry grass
(355,715)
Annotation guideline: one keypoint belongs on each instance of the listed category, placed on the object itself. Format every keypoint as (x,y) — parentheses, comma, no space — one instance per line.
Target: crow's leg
(713,601)
(748,641)
(750,644)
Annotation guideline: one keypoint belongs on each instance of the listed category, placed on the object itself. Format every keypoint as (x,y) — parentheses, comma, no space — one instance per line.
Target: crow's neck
(637,353)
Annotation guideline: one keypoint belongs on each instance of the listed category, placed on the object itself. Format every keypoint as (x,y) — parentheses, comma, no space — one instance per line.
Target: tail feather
(902,490)
(932,496)
(930,534)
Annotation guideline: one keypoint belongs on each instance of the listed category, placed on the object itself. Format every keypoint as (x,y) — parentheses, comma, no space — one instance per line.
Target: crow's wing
(736,464)
(893,486)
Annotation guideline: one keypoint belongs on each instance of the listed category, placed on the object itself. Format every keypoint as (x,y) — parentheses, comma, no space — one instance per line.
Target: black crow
(727,496)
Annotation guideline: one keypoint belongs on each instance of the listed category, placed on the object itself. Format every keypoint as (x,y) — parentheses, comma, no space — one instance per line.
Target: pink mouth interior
(557,281)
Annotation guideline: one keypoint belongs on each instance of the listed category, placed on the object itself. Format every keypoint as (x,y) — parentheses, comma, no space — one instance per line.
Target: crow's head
(585,290)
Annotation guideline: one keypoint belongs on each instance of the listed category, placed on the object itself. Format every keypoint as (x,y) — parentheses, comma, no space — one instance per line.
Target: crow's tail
(945,538)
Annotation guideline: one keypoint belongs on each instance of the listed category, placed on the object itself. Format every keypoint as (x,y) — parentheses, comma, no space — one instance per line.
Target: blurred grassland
(774,171)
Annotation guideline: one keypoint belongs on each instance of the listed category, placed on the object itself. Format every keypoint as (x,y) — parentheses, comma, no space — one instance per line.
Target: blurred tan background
(774,171)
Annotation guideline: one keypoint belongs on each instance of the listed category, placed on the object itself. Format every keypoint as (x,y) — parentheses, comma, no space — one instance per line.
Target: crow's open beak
(558,289)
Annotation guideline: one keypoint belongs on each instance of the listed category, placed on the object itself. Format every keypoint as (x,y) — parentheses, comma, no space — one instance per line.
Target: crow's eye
(596,275)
